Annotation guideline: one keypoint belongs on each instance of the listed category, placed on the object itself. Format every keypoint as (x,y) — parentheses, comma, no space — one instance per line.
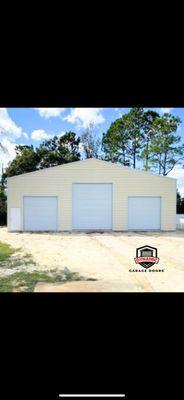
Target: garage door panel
(92,206)
(144,213)
(40,213)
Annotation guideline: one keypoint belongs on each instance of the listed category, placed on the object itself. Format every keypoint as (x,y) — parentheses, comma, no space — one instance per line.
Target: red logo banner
(138,260)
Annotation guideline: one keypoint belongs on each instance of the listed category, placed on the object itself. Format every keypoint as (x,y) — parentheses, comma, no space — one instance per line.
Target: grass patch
(26,281)
(6,251)
(23,281)
(17,261)
(8,258)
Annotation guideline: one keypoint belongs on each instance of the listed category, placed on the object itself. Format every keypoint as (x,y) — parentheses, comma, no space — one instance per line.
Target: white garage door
(144,213)
(40,213)
(92,206)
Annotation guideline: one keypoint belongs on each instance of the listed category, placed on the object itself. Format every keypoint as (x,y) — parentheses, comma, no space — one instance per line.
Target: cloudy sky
(33,125)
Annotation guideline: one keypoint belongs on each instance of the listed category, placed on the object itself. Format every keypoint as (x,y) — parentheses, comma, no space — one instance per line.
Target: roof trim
(92,160)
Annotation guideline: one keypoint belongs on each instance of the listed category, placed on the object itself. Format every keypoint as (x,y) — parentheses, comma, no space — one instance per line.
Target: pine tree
(166,149)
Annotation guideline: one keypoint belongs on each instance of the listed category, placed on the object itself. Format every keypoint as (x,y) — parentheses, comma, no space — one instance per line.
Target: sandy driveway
(106,257)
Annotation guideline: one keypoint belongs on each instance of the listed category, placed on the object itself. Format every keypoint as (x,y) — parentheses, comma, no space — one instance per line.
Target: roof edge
(96,160)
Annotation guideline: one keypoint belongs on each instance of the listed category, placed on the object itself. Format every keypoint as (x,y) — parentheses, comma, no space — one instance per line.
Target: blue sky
(33,125)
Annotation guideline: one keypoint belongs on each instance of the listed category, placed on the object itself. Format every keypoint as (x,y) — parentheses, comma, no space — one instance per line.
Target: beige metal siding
(126,182)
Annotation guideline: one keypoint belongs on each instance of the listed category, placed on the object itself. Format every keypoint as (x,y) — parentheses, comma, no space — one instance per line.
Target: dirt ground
(106,257)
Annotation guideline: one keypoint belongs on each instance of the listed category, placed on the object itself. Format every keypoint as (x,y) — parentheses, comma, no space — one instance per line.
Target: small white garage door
(144,213)
(40,213)
(92,206)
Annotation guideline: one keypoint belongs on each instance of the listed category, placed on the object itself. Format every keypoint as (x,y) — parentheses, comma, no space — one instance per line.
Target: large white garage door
(144,213)
(92,206)
(40,213)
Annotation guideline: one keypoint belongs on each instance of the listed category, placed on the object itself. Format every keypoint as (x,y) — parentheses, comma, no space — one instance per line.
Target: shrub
(3,207)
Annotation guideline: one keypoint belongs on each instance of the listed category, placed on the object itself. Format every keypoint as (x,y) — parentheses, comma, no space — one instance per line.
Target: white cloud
(178,173)
(60,134)
(50,112)
(8,154)
(82,117)
(39,134)
(8,128)
(165,110)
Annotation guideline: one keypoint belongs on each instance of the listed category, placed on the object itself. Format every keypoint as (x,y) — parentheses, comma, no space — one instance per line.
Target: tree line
(180,203)
(139,139)
(144,137)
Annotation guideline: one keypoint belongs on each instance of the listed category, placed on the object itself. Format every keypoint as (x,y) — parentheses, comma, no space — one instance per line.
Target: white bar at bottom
(92,395)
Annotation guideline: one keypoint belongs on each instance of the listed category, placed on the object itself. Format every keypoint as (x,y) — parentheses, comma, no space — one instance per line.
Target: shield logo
(146,256)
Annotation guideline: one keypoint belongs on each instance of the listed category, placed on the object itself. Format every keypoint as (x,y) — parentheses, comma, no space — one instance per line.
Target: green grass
(11,282)
(7,261)
(5,251)
(17,261)
(23,281)
(26,281)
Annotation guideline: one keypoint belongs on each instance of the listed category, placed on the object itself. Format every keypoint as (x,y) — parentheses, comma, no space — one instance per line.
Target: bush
(3,207)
